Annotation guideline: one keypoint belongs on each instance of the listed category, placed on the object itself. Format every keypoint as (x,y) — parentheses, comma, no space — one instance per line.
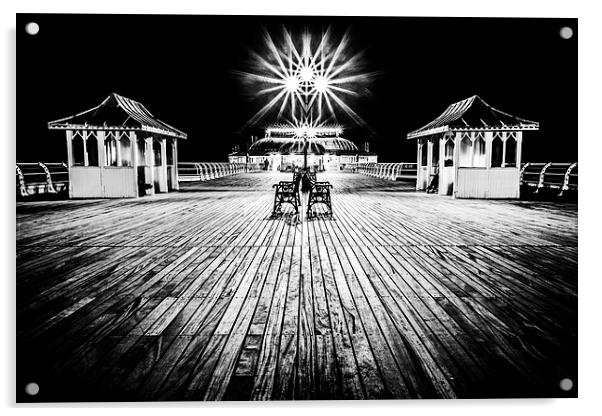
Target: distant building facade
(327,151)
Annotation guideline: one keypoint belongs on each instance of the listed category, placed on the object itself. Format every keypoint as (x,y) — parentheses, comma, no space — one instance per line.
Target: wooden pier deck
(201,295)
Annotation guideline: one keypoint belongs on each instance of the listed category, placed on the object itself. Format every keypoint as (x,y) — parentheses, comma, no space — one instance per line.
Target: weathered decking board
(202,295)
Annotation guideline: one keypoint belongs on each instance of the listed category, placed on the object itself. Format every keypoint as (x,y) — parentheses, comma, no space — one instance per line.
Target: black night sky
(181,69)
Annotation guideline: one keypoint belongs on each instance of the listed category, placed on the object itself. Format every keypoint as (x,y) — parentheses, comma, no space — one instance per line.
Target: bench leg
(326,201)
(278,201)
(277,205)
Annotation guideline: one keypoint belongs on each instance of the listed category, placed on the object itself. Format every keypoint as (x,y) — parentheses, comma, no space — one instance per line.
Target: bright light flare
(321,84)
(306,73)
(307,80)
(292,84)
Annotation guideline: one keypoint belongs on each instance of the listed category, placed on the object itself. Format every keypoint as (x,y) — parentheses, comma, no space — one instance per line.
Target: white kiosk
(475,149)
(119,150)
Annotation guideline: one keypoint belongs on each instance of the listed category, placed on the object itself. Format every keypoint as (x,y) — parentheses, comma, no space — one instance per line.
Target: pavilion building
(326,150)
(118,149)
(474,148)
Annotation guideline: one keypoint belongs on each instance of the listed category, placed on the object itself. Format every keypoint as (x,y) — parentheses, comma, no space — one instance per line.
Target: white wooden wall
(488,183)
(446,180)
(85,182)
(120,181)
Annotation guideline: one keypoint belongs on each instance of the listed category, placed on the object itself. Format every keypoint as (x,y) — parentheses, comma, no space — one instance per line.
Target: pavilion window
(77,146)
(111,149)
(169,152)
(465,157)
(157,152)
(479,156)
(424,154)
(435,155)
(92,149)
(449,153)
(125,150)
(141,149)
(510,160)
(497,151)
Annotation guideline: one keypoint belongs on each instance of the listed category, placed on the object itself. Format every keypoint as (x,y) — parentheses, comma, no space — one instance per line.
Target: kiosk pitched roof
(117,112)
(473,114)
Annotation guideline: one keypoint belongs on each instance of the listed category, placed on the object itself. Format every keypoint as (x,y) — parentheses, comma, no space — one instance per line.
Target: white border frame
(590,276)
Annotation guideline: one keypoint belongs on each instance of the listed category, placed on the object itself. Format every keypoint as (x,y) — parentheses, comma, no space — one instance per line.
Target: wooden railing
(561,176)
(41,178)
(391,171)
(204,171)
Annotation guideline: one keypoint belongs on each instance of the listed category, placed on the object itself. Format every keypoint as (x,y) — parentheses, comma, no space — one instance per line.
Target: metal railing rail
(205,171)
(390,171)
(41,178)
(550,175)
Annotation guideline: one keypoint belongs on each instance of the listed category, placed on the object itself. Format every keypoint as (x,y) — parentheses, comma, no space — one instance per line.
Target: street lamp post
(305,183)
(305,144)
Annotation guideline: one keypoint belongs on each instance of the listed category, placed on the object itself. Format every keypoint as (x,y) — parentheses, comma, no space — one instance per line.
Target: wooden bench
(287,193)
(319,193)
(433,186)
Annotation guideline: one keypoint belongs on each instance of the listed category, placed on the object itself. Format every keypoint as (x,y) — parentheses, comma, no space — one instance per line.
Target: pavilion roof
(330,144)
(473,114)
(300,146)
(117,112)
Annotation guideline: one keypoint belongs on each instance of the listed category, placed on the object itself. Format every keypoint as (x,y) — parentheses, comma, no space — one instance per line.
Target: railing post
(49,188)
(202,170)
(22,187)
(567,178)
(541,176)
(199,170)
(522,171)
